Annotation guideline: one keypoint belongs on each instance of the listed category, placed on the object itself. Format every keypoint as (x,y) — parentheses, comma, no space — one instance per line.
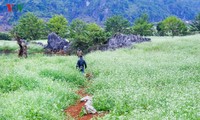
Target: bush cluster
(5,36)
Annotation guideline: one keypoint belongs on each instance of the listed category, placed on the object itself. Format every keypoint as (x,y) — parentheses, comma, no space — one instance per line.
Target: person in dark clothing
(81,64)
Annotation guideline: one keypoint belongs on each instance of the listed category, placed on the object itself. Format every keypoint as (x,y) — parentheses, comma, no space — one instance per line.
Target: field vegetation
(152,80)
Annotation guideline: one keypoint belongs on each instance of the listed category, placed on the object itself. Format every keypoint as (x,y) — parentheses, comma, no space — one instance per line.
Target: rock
(38,43)
(120,40)
(56,43)
(88,105)
(89,108)
(86,98)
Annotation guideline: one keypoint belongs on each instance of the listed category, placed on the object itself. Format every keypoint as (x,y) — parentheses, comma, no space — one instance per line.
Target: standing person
(81,64)
(79,52)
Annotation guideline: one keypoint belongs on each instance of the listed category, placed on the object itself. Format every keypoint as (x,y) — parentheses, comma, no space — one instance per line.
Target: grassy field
(153,80)
(12,47)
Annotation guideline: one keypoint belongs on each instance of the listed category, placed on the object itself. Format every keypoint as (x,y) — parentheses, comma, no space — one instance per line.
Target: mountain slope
(99,10)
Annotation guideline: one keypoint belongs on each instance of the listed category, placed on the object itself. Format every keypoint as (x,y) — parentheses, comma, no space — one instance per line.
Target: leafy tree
(142,26)
(29,27)
(160,28)
(77,27)
(96,34)
(78,34)
(116,24)
(85,35)
(173,26)
(58,24)
(196,23)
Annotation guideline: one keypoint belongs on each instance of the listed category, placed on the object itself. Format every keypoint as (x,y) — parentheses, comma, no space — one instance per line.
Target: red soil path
(74,111)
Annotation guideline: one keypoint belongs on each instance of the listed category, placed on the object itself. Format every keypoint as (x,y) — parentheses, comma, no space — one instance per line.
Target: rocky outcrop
(120,40)
(39,43)
(56,43)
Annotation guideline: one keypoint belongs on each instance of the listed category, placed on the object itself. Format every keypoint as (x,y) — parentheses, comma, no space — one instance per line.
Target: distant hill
(99,10)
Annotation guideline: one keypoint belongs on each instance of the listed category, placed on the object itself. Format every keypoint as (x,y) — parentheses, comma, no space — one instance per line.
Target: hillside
(99,10)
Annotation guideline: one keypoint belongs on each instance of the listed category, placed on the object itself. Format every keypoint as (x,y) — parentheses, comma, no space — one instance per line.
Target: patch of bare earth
(75,110)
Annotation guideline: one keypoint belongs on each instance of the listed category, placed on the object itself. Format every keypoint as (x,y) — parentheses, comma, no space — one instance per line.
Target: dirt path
(75,110)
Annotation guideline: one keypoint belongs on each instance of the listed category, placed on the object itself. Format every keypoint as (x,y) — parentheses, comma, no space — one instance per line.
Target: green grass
(153,80)
(8,45)
(12,47)
(27,92)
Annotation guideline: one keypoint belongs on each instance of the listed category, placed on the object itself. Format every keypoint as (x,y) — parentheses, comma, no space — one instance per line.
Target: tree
(196,23)
(142,26)
(116,24)
(77,27)
(85,35)
(96,34)
(29,27)
(58,24)
(160,29)
(173,26)
(79,35)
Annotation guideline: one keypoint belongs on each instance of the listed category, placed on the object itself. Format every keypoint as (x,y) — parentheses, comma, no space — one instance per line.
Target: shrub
(5,36)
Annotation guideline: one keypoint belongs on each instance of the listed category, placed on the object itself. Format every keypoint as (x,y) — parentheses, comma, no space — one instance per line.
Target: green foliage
(172,26)
(116,24)
(29,27)
(58,24)
(196,23)
(72,77)
(8,46)
(159,28)
(156,80)
(142,26)
(99,10)
(24,94)
(85,35)
(83,112)
(12,47)
(11,83)
(96,34)
(79,34)
(34,48)
(5,36)
(77,27)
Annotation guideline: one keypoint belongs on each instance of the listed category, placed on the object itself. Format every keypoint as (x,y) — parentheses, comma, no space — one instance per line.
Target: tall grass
(28,91)
(153,80)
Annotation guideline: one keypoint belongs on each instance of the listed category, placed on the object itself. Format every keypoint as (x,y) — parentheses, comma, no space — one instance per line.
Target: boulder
(89,108)
(86,98)
(120,40)
(88,105)
(56,43)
